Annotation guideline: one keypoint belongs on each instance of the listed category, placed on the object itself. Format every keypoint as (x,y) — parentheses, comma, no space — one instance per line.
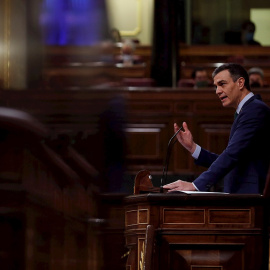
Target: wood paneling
(148,115)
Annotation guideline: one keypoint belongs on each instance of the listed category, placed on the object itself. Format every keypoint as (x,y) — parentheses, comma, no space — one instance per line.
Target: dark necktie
(235,115)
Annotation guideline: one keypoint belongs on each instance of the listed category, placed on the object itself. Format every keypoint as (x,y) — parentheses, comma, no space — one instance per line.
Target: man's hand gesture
(185,137)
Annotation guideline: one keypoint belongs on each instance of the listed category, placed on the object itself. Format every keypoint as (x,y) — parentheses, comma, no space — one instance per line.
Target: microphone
(166,163)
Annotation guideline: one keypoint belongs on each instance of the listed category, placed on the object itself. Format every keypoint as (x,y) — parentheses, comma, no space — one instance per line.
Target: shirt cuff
(197,152)
(195,186)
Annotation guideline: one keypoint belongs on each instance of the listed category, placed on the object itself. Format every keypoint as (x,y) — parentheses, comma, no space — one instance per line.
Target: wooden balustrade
(51,212)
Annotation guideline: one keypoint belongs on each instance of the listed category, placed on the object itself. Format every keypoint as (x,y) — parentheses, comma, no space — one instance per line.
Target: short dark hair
(249,25)
(236,72)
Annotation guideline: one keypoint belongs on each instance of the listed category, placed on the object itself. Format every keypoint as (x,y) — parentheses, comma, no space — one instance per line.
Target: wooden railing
(52,211)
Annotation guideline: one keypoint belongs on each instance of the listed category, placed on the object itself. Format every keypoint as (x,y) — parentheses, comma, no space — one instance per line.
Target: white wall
(261,18)
(133,18)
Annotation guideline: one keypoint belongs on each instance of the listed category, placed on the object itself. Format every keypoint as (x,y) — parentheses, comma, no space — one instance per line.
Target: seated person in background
(115,35)
(244,37)
(256,77)
(106,52)
(200,77)
(127,56)
(247,34)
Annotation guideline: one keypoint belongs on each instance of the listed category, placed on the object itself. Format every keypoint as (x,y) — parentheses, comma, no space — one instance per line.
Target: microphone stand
(165,168)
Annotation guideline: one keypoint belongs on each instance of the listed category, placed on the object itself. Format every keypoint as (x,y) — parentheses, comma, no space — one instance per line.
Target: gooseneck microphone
(166,163)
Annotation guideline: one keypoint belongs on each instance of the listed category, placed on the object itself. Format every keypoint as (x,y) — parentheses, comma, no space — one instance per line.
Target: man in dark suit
(244,163)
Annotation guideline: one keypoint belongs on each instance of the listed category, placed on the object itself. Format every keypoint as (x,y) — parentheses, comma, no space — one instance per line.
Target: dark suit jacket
(244,163)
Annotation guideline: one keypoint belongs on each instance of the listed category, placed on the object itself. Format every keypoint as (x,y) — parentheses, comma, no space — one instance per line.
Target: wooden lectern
(196,231)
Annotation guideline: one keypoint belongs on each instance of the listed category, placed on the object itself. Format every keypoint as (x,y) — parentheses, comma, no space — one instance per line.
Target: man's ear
(241,82)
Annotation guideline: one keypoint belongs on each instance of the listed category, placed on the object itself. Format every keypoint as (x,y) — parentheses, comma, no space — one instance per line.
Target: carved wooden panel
(183,216)
(146,145)
(131,217)
(214,136)
(197,257)
(200,248)
(230,216)
(143,216)
(192,217)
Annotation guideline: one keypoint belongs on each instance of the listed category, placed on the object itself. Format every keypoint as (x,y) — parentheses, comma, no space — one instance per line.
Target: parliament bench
(77,67)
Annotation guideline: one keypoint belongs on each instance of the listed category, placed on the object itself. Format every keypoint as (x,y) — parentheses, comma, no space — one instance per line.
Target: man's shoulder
(257,102)
(255,108)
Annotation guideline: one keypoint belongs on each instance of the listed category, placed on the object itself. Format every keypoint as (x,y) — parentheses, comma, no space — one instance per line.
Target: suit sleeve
(249,128)
(206,158)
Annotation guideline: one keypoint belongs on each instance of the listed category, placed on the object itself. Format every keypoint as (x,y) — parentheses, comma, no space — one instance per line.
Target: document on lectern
(204,192)
(198,192)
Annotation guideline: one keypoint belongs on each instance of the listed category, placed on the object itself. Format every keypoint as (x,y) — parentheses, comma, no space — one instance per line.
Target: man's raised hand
(185,137)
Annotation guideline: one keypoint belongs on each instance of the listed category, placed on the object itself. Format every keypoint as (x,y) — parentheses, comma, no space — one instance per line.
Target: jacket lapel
(234,125)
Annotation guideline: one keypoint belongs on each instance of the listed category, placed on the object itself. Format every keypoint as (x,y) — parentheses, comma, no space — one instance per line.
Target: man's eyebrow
(221,81)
